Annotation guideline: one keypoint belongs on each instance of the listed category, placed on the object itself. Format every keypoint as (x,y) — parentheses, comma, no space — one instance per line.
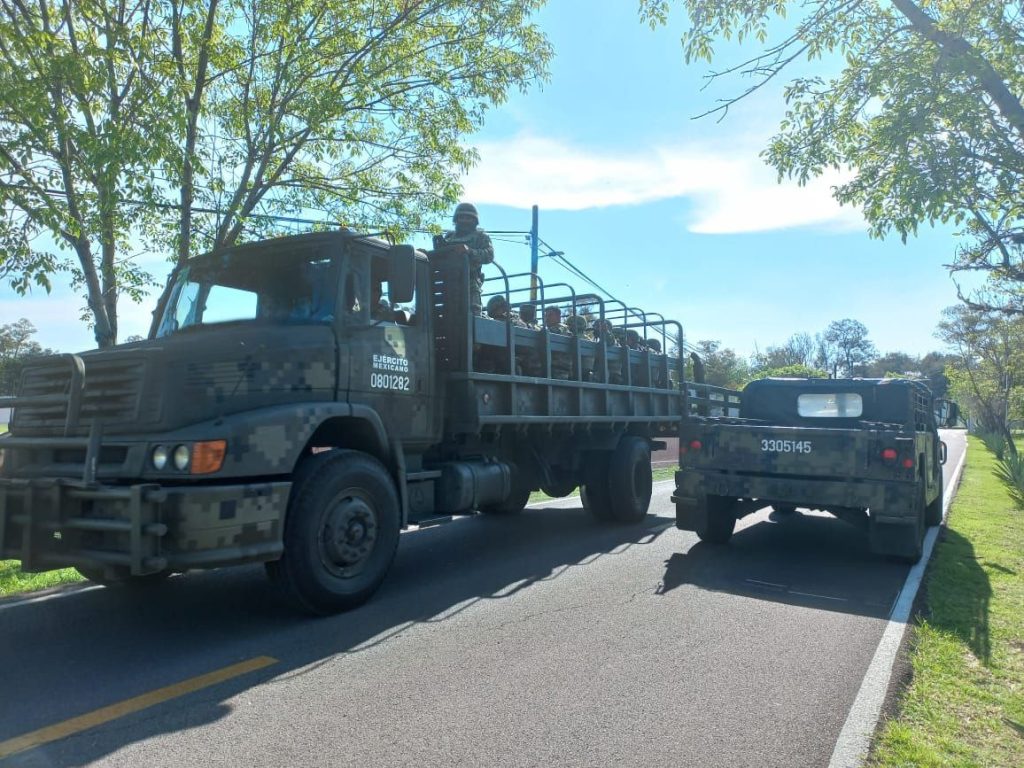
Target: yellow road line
(128,706)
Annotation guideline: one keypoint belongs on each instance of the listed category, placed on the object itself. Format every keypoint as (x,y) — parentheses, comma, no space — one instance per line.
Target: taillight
(889,454)
(695,445)
(908,463)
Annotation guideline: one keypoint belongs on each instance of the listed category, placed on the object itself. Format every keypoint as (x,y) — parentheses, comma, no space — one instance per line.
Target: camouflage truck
(865,450)
(301,400)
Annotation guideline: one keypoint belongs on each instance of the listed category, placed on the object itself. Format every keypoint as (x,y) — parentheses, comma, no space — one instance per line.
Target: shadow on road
(66,657)
(798,559)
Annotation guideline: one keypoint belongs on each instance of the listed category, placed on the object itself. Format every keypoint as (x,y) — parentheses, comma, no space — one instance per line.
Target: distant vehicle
(301,400)
(865,450)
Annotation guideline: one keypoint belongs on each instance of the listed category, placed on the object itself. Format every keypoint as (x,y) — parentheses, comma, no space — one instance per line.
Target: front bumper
(49,523)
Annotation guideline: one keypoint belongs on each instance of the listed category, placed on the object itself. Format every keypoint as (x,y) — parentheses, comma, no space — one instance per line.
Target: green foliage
(986,376)
(722,366)
(16,347)
(1010,471)
(791,372)
(926,110)
(200,121)
(995,442)
(963,705)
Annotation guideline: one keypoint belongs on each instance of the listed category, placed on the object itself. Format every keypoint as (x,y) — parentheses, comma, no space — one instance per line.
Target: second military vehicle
(301,400)
(866,450)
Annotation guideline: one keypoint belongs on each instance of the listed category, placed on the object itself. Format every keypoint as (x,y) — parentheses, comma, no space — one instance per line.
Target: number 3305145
(786,446)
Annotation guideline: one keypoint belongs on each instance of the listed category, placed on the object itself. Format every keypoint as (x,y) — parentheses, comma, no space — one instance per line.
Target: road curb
(855,737)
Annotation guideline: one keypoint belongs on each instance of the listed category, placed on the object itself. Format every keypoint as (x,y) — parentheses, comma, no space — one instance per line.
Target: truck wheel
(340,532)
(933,512)
(513,504)
(594,491)
(716,519)
(595,501)
(629,480)
(120,577)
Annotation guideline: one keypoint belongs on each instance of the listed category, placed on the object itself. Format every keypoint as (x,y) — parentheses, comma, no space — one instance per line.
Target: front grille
(112,395)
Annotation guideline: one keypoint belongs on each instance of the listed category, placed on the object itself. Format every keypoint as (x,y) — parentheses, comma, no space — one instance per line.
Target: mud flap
(896,539)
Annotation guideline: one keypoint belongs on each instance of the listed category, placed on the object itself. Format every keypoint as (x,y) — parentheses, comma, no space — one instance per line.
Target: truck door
(389,348)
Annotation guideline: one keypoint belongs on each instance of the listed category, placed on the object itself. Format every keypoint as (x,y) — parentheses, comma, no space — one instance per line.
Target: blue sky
(676,215)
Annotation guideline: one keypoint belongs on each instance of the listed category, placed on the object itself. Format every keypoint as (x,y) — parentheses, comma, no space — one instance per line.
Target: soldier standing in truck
(469,238)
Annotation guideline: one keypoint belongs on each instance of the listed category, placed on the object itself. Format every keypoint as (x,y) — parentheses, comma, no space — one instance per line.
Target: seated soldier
(580,328)
(653,345)
(633,341)
(528,314)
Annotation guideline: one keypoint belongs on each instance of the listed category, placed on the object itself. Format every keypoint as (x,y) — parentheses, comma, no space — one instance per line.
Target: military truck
(865,450)
(301,400)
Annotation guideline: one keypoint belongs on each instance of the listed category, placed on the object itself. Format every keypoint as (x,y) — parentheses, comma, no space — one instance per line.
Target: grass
(658,473)
(13,581)
(965,703)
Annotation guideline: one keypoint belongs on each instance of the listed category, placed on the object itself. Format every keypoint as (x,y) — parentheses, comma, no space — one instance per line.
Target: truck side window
(382,309)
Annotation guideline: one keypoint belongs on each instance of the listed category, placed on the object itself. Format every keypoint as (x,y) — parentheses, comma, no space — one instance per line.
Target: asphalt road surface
(542,639)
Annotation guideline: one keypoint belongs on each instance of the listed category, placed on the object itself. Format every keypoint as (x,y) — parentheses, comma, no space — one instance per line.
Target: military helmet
(653,344)
(496,304)
(620,333)
(576,324)
(528,312)
(466,209)
(632,336)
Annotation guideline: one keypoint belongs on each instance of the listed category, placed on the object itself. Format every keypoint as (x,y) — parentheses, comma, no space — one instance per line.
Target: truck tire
(513,504)
(933,512)
(716,519)
(340,532)
(594,491)
(918,532)
(629,480)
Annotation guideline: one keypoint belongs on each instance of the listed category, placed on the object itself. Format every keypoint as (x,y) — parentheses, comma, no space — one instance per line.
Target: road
(541,639)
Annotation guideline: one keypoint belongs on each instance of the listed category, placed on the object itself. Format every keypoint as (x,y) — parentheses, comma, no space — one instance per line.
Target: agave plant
(1010,471)
(995,442)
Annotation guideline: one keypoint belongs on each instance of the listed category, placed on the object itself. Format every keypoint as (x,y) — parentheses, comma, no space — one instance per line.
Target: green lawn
(13,581)
(965,703)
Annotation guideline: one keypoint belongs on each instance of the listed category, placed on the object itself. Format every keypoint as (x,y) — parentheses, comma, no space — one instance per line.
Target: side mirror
(401,273)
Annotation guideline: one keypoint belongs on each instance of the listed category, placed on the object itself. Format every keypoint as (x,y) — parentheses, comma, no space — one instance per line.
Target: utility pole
(534,252)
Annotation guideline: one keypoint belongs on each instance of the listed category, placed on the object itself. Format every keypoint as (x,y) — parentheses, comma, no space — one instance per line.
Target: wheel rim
(348,533)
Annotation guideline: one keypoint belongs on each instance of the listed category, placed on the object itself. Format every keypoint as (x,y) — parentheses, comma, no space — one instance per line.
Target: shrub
(1010,471)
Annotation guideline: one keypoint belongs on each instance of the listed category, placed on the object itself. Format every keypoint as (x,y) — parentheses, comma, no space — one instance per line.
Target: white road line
(855,737)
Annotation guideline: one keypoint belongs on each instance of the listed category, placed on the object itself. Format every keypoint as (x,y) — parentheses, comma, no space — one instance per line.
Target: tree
(796,371)
(16,347)
(722,366)
(926,109)
(798,350)
(848,346)
(80,126)
(207,120)
(988,377)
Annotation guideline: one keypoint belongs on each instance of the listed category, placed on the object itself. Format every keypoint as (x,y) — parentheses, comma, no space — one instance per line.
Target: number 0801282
(786,446)
(393,381)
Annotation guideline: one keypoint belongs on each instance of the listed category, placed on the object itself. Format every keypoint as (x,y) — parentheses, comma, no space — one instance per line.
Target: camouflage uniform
(561,366)
(480,251)
(605,335)
(580,328)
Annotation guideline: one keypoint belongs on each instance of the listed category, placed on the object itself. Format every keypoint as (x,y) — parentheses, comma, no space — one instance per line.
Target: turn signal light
(908,463)
(208,456)
(889,454)
(695,445)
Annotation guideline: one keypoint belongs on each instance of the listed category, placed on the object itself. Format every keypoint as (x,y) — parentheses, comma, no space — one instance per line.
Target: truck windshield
(276,288)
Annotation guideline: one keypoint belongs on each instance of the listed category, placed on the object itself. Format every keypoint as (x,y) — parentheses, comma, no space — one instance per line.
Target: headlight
(181,457)
(160,456)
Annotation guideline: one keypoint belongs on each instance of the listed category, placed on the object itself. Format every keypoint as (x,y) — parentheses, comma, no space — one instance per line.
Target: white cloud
(731,189)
